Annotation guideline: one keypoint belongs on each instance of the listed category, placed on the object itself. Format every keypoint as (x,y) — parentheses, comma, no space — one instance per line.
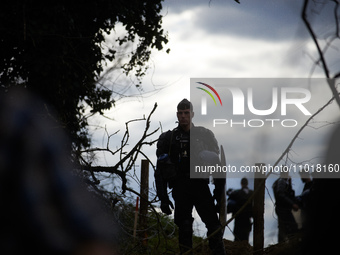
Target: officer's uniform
(285,198)
(242,226)
(187,192)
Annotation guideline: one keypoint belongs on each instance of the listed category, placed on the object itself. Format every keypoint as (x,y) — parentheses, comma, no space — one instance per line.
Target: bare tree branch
(290,145)
(313,35)
(331,82)
(126,159)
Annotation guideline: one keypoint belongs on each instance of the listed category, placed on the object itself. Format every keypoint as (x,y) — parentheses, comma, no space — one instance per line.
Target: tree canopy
(55,49)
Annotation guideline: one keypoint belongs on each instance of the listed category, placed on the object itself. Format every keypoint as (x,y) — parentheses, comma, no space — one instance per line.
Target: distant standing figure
(285,203)
(236,200)
(305,198)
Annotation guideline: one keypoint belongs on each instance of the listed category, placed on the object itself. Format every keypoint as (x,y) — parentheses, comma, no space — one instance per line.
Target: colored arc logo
(212,89)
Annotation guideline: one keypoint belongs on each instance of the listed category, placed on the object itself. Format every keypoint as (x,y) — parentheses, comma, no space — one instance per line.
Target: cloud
(263,20)
(270,23)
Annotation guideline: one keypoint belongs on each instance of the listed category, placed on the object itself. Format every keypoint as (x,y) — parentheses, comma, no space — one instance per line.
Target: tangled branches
(127,159)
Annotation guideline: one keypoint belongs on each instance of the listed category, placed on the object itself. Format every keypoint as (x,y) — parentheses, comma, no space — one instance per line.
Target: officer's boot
(216,244)
(185,236)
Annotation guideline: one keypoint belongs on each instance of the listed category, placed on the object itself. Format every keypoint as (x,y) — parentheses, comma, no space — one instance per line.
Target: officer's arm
(161,184)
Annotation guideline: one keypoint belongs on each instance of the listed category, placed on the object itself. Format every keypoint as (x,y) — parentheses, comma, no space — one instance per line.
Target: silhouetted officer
(173,171)
(285,203)
(236,200)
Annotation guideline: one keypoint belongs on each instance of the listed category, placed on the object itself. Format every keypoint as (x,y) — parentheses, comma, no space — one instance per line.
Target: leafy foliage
(55,49)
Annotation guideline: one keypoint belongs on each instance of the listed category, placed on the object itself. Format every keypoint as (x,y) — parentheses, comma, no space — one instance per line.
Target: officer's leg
(183,217)
(287,223)
(204,204)
(236,230)
(185,235)
(242,228)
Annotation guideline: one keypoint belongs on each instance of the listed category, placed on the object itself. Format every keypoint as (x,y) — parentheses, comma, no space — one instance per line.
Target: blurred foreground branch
(322,52)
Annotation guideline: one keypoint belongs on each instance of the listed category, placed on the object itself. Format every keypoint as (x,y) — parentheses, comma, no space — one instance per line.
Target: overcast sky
(224,39)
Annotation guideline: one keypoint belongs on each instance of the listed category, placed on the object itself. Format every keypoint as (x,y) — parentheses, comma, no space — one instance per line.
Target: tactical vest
(174,150)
